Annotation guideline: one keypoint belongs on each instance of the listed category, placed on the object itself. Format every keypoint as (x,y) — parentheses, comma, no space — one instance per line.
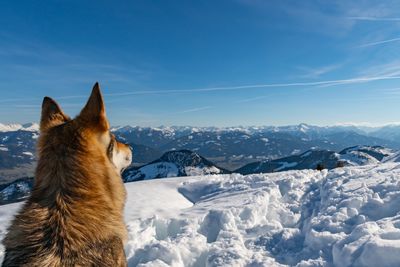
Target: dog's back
(74,216)
(37,247)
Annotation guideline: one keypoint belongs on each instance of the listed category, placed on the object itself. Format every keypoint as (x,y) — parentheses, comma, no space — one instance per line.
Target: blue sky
(204,63)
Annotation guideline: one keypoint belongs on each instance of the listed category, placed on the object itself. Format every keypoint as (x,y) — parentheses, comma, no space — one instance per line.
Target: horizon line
(337,124)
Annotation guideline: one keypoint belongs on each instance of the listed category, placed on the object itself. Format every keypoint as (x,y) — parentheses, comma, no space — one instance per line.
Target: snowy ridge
(352,156)
(173,164)
(9,127)
(390,131)
(30,127)
(345,217)
(395,157)
(230,147)
(15,191)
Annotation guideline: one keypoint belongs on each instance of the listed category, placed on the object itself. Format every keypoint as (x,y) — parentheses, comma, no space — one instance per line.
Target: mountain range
(188,163)
(229,148)
(322,159)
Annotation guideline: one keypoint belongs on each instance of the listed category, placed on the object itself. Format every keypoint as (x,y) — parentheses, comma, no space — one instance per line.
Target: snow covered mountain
(229,148)
(17,155)
(16,191)
(30,127)
(352,156)
(232,147)
(187,163)
(364,155)
(343,217)
(17,147)
(389,132)
(173,164)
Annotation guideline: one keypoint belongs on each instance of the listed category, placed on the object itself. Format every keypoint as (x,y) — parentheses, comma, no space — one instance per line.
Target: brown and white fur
(74,216)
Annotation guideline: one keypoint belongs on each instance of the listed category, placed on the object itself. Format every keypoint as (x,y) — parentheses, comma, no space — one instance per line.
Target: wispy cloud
(270,85)
(365,79)
(251,99)
(13,100)
(374,18)
(395,89)
(387,69)
(36,64)
(38,107)
(193,110)
(313,73)
(366,124)
(380,42)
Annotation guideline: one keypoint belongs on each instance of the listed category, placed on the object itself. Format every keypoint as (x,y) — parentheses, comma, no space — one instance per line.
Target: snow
(30,127)
(35,135)
(356,158)
(306,154)
(295,151)
(197,171)
(6,214)
(10,127)
(159,169)
(286,165)
(344,217)
(160,198)
(395,157)
(12,189)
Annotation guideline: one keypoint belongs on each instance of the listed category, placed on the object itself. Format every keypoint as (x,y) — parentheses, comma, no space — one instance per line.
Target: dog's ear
(52,115)
(93,115)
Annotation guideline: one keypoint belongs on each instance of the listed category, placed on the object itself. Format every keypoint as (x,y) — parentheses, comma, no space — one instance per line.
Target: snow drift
(343,217)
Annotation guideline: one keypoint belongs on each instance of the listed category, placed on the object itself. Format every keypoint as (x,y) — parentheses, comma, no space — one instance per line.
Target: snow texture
(30,127)
(344,217)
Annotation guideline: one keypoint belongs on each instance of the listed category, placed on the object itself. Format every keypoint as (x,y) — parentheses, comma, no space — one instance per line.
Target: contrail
(228,88)
(374,18)
(251,99)
(380,42)
(232,88)
(192,110)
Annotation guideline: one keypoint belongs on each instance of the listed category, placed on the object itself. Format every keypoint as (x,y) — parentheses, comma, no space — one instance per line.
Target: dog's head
(88,133)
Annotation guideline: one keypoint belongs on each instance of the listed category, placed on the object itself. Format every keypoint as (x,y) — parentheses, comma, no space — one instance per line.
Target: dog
(74,215)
